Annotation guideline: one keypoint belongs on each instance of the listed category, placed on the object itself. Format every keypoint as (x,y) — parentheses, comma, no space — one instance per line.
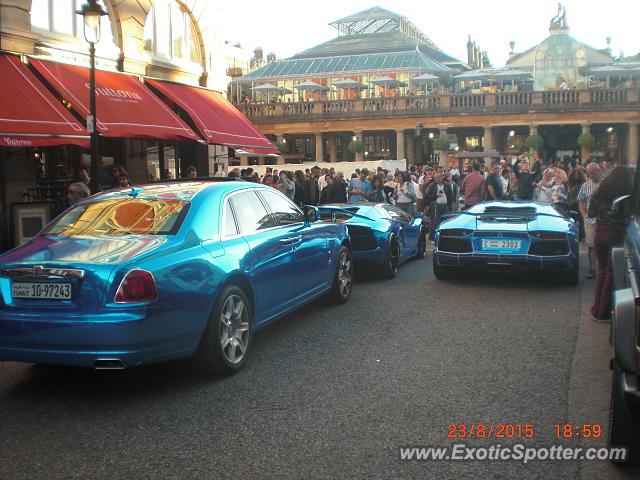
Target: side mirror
(618,202)
(311,214)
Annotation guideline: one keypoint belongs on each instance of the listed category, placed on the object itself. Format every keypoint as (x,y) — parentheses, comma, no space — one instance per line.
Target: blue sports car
(512,235)
(381,234)
(139,275)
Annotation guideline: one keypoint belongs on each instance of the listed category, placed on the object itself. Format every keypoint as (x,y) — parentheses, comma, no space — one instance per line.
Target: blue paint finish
(477,225)
(376,219)
(190,268)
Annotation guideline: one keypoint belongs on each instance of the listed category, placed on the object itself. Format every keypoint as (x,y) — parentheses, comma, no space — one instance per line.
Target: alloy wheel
(234,329)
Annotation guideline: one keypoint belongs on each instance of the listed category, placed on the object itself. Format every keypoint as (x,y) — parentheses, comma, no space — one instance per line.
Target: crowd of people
(584,192)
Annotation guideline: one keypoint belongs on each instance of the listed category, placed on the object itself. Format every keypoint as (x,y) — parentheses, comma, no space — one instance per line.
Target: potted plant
(356,146)
(534,141)
(586,141)
(442,145)
(281,146)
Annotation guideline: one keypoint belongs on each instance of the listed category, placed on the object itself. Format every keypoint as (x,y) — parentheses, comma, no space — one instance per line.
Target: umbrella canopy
(474,75)
(312,87)
(270,87)
(606,70)
(425,78)
(512,74)
(350,84)
(388,82)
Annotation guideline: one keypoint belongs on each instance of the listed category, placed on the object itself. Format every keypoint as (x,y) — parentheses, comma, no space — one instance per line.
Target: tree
(587,140)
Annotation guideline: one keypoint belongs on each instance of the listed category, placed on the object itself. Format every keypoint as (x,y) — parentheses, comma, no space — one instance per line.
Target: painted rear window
(121,216)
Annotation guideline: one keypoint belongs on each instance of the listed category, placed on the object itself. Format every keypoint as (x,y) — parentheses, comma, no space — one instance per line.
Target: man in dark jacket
(337,190)
(439,198)
(526,179)
(311,190)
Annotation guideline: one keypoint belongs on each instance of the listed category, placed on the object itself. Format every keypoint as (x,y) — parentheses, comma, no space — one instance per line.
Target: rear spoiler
(530,216)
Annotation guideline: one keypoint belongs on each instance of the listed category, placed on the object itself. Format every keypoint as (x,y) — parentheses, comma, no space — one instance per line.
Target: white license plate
(47,291)
(501,244)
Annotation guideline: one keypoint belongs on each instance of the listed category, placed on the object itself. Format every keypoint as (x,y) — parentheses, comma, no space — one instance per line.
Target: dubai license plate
(501,244)
(41,291)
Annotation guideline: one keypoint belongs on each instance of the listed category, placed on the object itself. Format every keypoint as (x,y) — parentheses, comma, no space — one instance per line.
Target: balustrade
(443,104)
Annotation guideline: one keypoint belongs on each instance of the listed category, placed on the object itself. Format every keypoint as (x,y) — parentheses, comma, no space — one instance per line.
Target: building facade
(438,96)
(163,57)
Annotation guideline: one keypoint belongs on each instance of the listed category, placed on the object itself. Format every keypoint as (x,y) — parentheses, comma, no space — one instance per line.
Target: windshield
(121,216)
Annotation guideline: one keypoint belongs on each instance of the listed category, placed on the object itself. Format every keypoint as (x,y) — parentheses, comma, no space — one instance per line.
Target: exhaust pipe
(108,364)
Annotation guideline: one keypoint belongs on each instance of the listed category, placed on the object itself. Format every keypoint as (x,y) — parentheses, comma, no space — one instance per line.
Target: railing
(447,104)
(610,95)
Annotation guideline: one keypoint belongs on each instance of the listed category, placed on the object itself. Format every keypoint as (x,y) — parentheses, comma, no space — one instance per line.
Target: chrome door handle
(290,240)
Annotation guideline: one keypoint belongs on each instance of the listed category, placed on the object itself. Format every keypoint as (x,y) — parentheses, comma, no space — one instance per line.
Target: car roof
(179,189)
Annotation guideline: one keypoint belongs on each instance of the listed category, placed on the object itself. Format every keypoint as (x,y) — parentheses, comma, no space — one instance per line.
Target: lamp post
(92,11)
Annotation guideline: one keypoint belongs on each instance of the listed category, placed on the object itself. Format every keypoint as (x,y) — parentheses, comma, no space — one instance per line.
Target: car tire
(392,259)
(343,277)
(422,244)
(441,272)
(573,275)
(624,430)
(226,341)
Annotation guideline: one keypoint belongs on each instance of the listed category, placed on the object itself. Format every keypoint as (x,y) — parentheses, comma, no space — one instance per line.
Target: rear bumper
(513,261)
(133,337)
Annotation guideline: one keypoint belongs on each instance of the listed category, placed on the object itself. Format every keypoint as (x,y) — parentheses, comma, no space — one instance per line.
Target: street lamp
(92,11)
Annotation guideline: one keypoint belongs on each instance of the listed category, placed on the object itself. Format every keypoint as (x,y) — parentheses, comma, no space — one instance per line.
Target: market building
(159,68)
(385,90)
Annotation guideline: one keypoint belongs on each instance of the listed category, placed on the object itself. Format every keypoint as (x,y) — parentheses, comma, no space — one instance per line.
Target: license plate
(46,291)
(501,244)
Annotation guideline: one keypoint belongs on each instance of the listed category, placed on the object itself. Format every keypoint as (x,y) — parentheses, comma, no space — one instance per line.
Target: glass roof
(415,61)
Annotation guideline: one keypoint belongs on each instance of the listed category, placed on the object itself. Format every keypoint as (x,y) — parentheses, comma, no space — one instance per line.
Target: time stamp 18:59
(519,430)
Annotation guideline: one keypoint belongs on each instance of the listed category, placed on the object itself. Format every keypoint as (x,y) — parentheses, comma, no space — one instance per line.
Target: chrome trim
(38,272)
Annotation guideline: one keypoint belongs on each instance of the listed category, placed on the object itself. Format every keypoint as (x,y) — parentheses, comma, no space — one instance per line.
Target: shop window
(59,17)
(170,32)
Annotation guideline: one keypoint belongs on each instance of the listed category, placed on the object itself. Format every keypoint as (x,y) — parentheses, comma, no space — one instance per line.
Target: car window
(229,227)
(250,213)
(121,216)
(286,212)
(397,213)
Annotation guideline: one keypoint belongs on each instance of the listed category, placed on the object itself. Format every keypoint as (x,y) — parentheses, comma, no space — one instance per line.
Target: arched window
(170,32)
(58,18)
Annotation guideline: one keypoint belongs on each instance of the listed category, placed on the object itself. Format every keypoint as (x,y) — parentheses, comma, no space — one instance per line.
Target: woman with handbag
(611,227)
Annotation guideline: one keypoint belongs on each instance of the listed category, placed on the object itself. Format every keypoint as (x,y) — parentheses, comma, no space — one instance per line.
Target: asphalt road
(333,392)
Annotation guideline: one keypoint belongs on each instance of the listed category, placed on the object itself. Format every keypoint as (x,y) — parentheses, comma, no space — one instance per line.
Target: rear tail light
(455,233)
(548,235)
(137,286)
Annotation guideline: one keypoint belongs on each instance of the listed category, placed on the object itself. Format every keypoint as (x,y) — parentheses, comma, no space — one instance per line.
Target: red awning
(30,116)
(217,119)
(125,108)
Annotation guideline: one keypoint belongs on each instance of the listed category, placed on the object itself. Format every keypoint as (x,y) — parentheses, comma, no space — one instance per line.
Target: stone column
(333,151)
(444,154)
(585,153)
(261,160)
(319,148)
(411,148)
(359,155)
(533,129)
(632,153)
(400,145)
(487,139)
(280,138)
